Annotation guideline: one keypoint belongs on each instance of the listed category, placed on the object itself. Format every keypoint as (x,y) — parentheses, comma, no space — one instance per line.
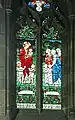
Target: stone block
(2,72)
(2,56)
(2,110)
(2,27)
(2,117)
(2,83)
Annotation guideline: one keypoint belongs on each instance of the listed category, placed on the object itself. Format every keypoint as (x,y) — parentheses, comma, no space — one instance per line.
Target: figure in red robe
(48,57)
(26,60)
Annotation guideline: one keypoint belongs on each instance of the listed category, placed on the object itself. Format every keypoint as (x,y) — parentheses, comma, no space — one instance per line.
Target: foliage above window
(25,32)
(51,34)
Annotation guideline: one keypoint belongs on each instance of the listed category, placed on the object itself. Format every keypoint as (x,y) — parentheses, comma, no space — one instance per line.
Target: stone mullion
(13,58)
(74,64)
(39,71)
(73,59)
(71,62)
(70,72)
(68,64)
(8,49)
(64,71)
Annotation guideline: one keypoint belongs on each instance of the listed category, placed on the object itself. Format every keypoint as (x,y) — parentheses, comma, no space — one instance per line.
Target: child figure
(30,52)
(20,75)
(31,73)
(48,69)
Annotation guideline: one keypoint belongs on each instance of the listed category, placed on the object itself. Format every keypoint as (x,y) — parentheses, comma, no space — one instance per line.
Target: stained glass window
(51,71)
(43,27)
(26,68)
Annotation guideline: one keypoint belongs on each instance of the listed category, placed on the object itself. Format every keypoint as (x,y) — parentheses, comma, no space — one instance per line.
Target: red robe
(48,60)
(25,61)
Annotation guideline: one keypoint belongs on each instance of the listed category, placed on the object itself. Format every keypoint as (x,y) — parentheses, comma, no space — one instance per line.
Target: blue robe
(56,70)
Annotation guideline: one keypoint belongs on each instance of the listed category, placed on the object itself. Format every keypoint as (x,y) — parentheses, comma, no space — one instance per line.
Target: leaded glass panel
(51,70)
(26,68)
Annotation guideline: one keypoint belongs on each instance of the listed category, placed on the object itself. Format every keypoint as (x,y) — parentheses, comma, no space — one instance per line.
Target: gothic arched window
(39,28)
